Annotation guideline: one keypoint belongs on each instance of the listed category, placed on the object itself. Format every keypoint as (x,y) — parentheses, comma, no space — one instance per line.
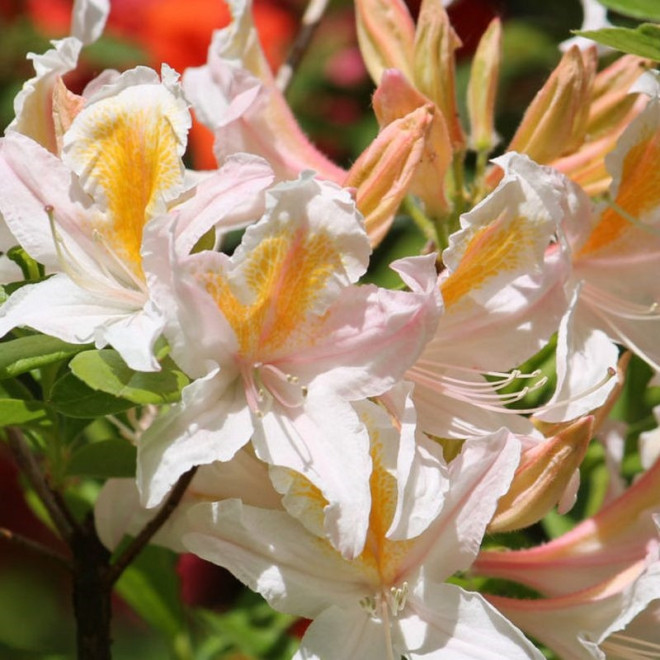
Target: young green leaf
(32,352)
(643,41)
(648,10)
(105,459)
(73,398)
(14,412)
(105,371)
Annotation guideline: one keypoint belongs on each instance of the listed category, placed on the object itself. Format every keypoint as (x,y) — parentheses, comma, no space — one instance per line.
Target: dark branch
(34,546)
(57,509)
(310,21)
(148,531)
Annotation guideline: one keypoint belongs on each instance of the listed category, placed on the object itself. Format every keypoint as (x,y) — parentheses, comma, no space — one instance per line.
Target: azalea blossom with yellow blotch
(426,521)
(280,339)
(616,247)
(81,211)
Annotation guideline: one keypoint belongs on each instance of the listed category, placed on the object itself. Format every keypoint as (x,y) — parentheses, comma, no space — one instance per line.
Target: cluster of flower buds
(354,443)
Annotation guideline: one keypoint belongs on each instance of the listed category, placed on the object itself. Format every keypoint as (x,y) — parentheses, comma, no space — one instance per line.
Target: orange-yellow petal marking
(286,275)
(638,193)
(492,250)
(128,155)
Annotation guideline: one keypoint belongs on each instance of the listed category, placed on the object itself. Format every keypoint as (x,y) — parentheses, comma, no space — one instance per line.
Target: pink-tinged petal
(511,325)
(236,97)
(448,622)
(337,634)
(274,555)
(88,19)
(118,511)
(421,472)
(501,270)
(617,536)
(586,366)
(326,443)
(230,198)
(620,295)
(30,179)
(478,476)
(634,190)
(33,104)
(305,212)
(59,307)
(192,317)
(210,424)
(134,337)
(370,336)
(641,635)
(126,149)
(567,624)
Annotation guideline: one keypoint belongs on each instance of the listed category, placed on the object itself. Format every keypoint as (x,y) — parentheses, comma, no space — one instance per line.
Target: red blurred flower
(204,584)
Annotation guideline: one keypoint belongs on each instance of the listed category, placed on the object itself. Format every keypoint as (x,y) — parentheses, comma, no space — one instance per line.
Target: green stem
(426,226)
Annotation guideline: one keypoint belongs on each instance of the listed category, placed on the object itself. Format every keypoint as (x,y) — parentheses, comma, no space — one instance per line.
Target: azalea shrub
(280,402)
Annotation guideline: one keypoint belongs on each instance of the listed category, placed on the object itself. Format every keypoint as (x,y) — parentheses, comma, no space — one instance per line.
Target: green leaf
(251,627)
(105,371)
(644,40)
(643,9)
(555,524)
(106,459)
(14,412)
(30,268)
(73,398)
(26,353)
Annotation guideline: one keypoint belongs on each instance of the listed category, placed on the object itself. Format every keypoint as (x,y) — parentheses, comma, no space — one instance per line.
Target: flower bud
(434,65)
(396,98)
(555,122)
(482,88)
(383,172)
(544,473)
(386,33)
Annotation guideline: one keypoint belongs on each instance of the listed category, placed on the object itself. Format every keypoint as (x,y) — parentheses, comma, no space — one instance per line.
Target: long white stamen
(133,280)
(632,219)
(384,606)
(625,339)
(266,383)
(630,648)
(618,306)
(483,394)
(83,278)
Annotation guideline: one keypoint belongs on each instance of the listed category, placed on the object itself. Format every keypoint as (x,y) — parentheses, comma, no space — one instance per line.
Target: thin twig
(57,509)
(34,546)
(146,534)
(310,21)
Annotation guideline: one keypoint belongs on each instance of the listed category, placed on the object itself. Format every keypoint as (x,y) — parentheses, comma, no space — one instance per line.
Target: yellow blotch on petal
(383,555)
(639,193)
(130,158)
(285,275)
(491,250)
